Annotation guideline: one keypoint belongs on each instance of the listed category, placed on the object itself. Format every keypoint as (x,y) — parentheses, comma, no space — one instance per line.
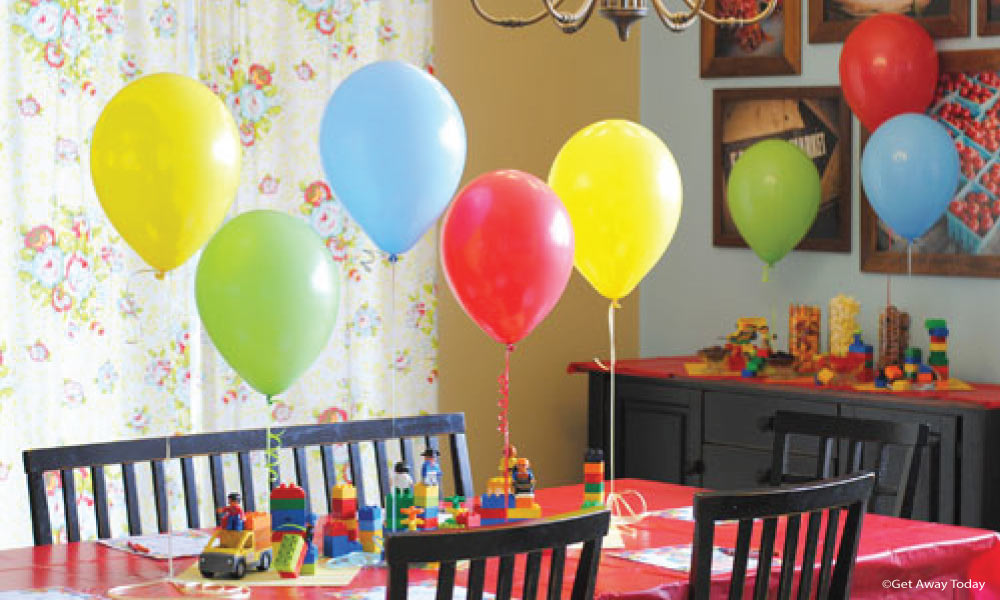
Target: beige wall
(523,93)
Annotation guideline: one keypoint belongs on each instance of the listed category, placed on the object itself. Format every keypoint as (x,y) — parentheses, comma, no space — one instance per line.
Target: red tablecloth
(986,395)
(906,552)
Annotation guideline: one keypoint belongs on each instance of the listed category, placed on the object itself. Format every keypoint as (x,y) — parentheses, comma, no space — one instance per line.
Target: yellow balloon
(622,188)
(165,160)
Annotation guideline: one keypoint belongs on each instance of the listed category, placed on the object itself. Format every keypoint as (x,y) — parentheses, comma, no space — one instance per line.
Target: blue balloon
(910,173)
(392,143)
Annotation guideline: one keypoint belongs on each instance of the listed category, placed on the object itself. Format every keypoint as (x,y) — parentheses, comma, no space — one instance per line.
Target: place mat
(678,558)
(948,385)
(684,513)
(325,576)
(426,590)
(185,543)
(50,593)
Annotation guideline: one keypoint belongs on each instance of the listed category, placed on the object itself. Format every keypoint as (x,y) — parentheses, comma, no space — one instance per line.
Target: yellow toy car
(231,553)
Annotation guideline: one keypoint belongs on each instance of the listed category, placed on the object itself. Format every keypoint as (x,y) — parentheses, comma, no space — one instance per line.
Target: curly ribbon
(134,339)
(909,259)
(504,426)
(186,588)
(393,260)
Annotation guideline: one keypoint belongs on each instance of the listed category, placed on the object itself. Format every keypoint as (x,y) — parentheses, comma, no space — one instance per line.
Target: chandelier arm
(679,21)
(513,21)
(734,21)
(570,22)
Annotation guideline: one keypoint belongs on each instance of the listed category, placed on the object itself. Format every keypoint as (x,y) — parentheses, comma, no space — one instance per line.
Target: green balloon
(267,291)
(773,195)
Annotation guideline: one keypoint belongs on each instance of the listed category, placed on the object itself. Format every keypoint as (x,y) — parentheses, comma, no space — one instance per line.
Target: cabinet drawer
(745,419)
(729,468)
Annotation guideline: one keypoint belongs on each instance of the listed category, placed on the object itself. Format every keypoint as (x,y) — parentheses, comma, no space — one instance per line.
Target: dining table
(897,558)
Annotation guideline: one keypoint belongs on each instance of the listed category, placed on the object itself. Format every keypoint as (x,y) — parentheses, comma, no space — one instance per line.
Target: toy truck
(231,553)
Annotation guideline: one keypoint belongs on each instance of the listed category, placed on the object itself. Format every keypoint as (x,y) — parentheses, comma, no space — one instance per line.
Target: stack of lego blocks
(413,509)
(864,354)
(938,357)
(292,524)
(593,478)
(341,531)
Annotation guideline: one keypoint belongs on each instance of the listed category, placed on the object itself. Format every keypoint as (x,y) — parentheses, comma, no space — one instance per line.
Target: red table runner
(986,395)
(897,551)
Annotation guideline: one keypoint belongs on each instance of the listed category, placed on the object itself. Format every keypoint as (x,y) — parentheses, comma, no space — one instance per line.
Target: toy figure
(523,477)
(232,515)
(401,480)
(430,472)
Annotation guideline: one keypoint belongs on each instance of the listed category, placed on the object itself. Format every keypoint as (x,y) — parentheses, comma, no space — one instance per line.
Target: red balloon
(507,251)
(888,66)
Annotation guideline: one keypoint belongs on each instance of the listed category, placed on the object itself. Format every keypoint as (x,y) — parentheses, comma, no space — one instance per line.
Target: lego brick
(344,490)
(290,556)
(429,523)
(935,323)
(595,467)
(497,501)
(469,519)
(901,385)
(524,501)
(287,490)
(593,477)
(339,546)
(942,372)
(287,504)
(492,513)
(593,498)
(525,513)
(925,378)
(370,513)
(345,508)
(893,372)
(593,488)
(371,541)
(939,346)
(308,569)
(334,528)
(592,505)
(486,522)
(429,512)
(912,352)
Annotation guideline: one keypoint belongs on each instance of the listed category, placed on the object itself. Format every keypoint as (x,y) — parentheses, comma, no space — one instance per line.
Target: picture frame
(954,246)
(816,118)
(988,17)
(773,47)
(833,20)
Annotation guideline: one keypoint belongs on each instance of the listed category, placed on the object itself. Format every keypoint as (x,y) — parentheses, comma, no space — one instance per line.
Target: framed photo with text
(817,120)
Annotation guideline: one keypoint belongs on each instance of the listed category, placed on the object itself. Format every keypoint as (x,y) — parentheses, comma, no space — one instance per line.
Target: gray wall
(697,292)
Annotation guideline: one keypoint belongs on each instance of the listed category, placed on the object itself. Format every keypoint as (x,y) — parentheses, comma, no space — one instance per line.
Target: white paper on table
(426,590)
(51,593)
(678,558)
(185,543)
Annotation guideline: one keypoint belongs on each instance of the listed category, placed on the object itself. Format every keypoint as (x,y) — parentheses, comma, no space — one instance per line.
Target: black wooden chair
(823,498)
(380,433)
(833,433)
(502,543)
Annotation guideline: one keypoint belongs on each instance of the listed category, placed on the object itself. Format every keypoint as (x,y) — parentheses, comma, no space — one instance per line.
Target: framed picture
(832,20)
(966,240)
(772,47)
(988,17)
(814,118)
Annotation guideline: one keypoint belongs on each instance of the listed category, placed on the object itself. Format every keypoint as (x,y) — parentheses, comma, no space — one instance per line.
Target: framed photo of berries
(832,20)
(817,120)
(966,240)
(771,47)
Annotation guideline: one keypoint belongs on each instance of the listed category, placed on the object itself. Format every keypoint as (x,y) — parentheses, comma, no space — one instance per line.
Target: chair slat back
(787,503)
(858,435)
(403,435)
(503,544)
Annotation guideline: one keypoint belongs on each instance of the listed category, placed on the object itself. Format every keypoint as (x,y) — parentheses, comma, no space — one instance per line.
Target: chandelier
(623,13)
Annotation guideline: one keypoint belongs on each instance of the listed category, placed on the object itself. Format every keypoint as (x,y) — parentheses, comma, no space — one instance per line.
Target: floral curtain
(91,347)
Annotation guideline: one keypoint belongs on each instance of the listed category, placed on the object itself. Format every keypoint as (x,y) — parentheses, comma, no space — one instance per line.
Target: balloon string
(765,274)
(130,297)
(888,290)
(909,259)
(611,448)
(393,259)
(504,427)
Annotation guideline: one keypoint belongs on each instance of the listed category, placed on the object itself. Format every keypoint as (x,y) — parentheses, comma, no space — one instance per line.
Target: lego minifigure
(430,472)
(401,480)
(523,477)
(232,514)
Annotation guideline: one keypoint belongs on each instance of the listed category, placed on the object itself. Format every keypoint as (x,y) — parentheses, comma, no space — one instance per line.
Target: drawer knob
(696,468)
(764,476)
(765,423)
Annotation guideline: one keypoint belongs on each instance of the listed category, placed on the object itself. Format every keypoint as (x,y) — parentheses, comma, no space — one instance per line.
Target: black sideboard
(717,434)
